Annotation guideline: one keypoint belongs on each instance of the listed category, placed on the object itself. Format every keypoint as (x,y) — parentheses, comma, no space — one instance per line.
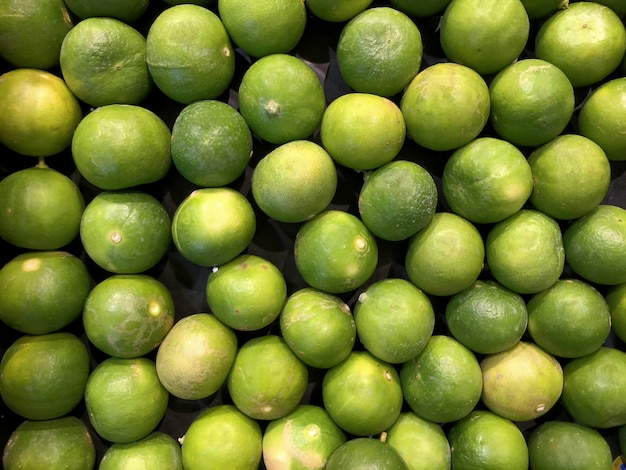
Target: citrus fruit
(119,146)
(616,300)
(212,226)
(43,376)
(593,387)
(365,453)
(124,399)
(525,251)
(422,444)
(602,118)
(420,9)
(394,319)
(204,3)
(571,176)
(157,451)
(125,10)
(486,317)
(195,356)
(397,200)
(31,33)
(445,106)
(294,182)
(50,444)
(487,180)
(334,252)
(485,440)
(379,51)
(539,9)
(40,113)
(532,101)
(262,27)
(128,315)
(125,232)
(189,54)
(362,131)
(43,291)
(336,10)
(615,5)
(446,256)
(318,327)
(304,438)
(484,35)
(246,293)
(586,41)
(267,380)
(211,143)
(362,394)
(521,383)
(103,61)
(594,245)
(443,382)
(281,98)
(224,436)
(556,445)
(569,319)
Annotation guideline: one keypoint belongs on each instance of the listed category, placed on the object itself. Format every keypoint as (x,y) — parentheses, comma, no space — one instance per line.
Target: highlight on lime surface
(445,106)
(157,451)
(295,181)
(336,10)
(212,226)
(397,200)
(615,298)
(420,9)
(365,452)
(125,10)
(281,98)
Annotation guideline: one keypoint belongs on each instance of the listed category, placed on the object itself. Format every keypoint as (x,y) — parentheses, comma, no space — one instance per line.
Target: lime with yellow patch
(128,11)
(365,452)
(157,451)
(616,300)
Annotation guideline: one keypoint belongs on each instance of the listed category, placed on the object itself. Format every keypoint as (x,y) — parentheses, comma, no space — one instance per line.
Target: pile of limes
(325,234)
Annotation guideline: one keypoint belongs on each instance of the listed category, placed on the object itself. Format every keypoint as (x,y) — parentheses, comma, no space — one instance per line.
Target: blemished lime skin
(365,452)
(157,451)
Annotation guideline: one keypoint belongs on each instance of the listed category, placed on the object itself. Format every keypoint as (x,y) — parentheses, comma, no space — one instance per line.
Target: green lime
(365,453)
(43,376)
(295,181)
(421,9)
(212,226)
(128,11)
(336,10)
(318,327)
(486,317)
(443,382)
(156,451)
(616,300)
(618,7)
(128,315)
(540,9)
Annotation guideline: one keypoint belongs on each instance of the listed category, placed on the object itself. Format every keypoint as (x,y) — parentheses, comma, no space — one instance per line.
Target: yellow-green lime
(103,61)
(295,181)
(397,200)
(124,399)
(44,376)
(539,9)
(305,438)
(247,293)
(189,53)
(267,380)
(157,451)
(128,11)
(394,319)
(40,208)
(318,327)
(616,300)
(446,256)
(212,226)
(532,101)
(487,180)
(484,35)
(594,245)
(420,9)
(224,436)
(39,113)
(211,143)
(126,231)
(586,41)
(445,106)
(365,452)
(281,98)
(119,146)
(486,317)
(379,51)
(43,291)
(350,388)
(362,131)
(264,27)
(195,356)
(525,251)
(615,5)
(443,382)
(571,176)
(335,252)
(49,445)
(128,315)
(336,10)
